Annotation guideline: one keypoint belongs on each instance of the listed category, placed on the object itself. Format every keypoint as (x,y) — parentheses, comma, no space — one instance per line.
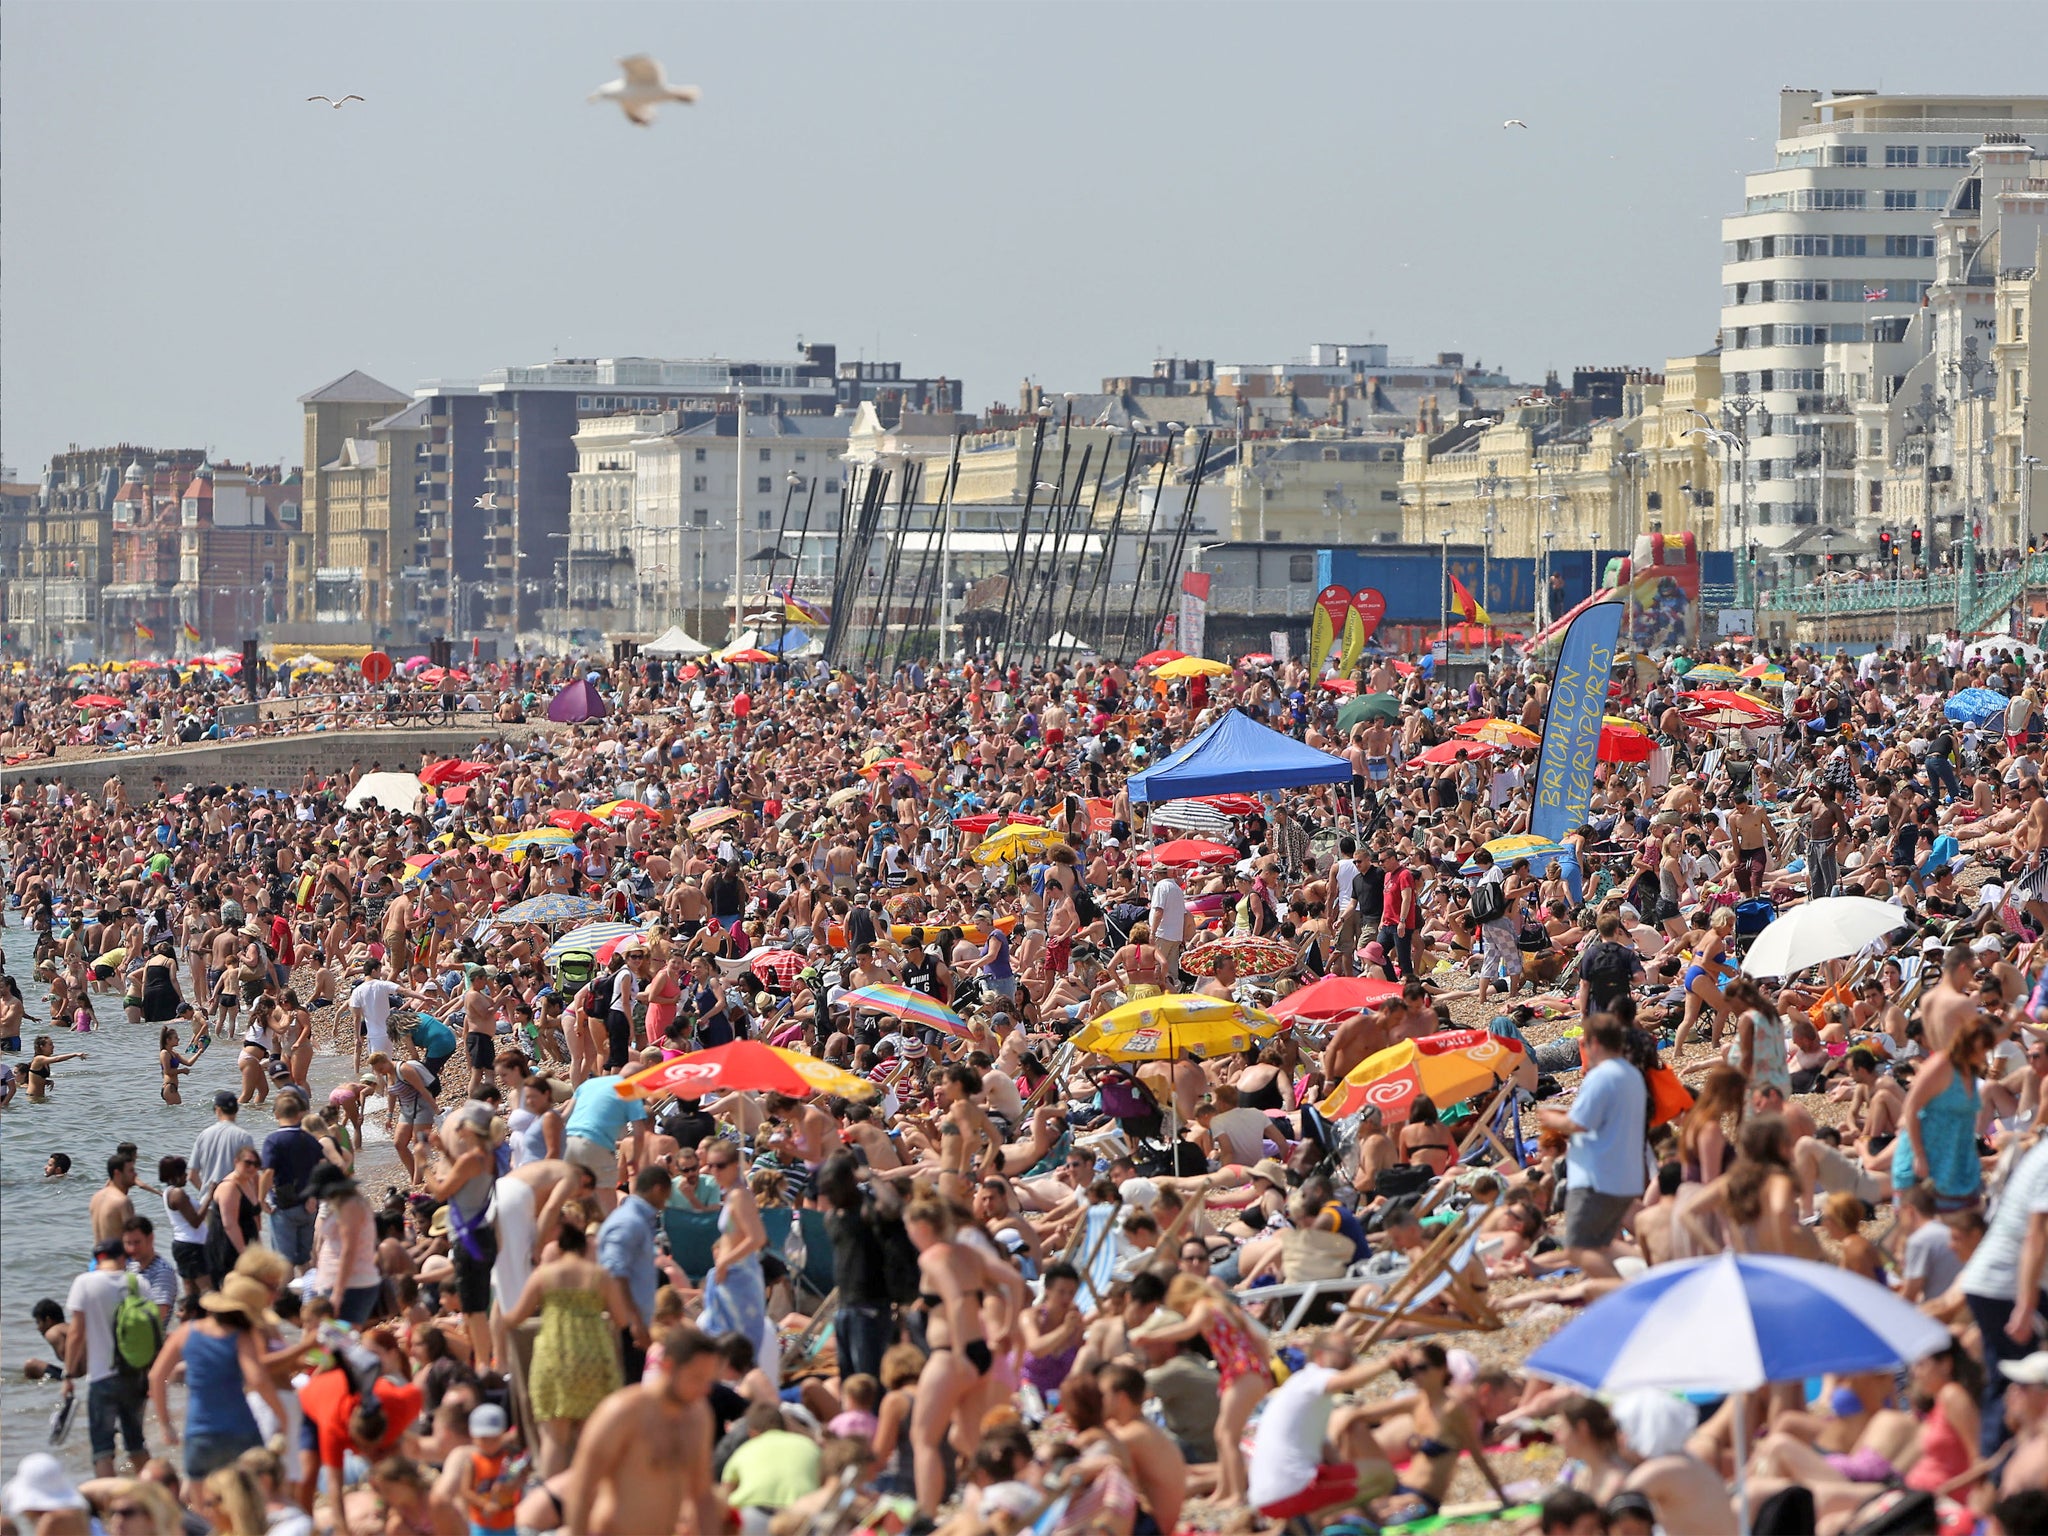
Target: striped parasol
(1192,816)
(1521,845)
(777,967)
(717,816)
(591,937)
(915,1007)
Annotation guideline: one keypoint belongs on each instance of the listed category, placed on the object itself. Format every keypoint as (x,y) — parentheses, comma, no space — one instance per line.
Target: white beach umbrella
(1830,928)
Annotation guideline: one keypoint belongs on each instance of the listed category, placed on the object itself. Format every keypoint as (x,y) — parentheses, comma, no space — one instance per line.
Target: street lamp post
(1489,487)
(1827,539)
(1443,599)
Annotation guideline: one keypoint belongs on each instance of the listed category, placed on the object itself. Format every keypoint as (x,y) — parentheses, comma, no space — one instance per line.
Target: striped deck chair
(1096,1254)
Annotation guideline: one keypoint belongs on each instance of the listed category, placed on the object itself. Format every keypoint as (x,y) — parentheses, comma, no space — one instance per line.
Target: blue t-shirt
(599,1114)
(1607,1155)
(434,1038)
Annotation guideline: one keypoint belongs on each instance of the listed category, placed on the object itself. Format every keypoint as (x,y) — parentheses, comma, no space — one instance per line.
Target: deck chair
(1096,1252)
(1439,1292)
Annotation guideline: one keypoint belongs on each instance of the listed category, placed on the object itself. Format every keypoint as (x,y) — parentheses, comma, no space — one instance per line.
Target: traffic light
(1884,545)
(1916,543)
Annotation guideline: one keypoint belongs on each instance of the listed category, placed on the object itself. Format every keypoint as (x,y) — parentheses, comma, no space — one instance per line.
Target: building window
(1896,155)
(700,517)
(763,484)
(269,539)
(700,455)
(700,483)
(2019,325)
(1913,246)
(1954,156)
(1390,495)
(764,455)
(800,457)
(1846,154)
(1901,198)
(1848,245)
(764,518)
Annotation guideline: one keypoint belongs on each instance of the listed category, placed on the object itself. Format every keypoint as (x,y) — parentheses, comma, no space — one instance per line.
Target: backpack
(1605,971)
(138,1330)
(1489,901)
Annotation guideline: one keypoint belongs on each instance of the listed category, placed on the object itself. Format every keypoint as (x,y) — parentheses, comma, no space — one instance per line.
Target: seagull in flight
(642,88)
(487,502)
(337,105)
(1514,122)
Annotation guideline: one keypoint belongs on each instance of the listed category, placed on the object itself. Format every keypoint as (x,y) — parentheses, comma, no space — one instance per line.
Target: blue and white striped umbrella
(589,936)
(1733,1323)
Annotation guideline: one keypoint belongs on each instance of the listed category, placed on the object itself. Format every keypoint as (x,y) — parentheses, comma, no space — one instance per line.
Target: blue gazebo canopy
(1237,754)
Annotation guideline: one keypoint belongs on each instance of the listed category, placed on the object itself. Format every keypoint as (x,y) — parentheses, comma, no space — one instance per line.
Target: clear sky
(1057,191)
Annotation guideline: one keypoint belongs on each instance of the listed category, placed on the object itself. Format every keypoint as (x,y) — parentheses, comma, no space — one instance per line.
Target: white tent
(1060,643)
(675,641)
(394,791)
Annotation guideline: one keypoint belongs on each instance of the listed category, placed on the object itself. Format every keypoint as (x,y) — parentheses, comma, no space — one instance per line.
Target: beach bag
(138,1330)
(1489,901)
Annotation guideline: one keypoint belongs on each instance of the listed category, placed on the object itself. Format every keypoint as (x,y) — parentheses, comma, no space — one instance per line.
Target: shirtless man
(111,1206)
(643,1463)
(1751,831)
(1157,1466)
(1358,1037)
(1378,741)
(1953,999)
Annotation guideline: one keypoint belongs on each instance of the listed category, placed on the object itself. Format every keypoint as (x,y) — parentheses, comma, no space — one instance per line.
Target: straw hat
(244,1295)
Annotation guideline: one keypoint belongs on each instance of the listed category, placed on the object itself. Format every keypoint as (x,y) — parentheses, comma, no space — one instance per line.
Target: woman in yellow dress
(576,1357)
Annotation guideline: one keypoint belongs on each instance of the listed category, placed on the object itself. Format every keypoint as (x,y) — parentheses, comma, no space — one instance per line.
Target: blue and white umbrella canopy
(1733,1323)
(555,907)
(589,937)
(1975,706)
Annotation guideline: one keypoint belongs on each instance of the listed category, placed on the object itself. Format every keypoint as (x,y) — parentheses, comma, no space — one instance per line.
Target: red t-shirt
(1401,883)
(327,1403)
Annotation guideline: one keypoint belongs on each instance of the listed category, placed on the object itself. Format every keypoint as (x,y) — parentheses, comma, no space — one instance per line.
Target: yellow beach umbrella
(1193,666)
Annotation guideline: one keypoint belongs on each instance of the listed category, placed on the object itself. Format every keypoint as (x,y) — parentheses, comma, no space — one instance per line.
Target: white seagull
(1514,122)
(337,105)
(642,89)
(487,502)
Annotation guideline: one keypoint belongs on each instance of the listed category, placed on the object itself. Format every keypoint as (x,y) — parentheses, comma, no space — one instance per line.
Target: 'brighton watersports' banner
(1571,725)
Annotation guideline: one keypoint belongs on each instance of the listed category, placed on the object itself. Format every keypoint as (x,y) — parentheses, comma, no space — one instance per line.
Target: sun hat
(39,1484)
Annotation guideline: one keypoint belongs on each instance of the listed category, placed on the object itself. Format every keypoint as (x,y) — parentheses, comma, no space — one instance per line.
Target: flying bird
(487,501)
(642,88)
(337,105)
(1514,122)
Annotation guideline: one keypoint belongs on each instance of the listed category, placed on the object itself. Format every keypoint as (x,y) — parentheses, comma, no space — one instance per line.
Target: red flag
(1467,605)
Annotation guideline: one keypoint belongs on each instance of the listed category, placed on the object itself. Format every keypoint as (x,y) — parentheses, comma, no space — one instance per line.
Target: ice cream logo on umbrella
(1141,1041)
(1394,1091)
